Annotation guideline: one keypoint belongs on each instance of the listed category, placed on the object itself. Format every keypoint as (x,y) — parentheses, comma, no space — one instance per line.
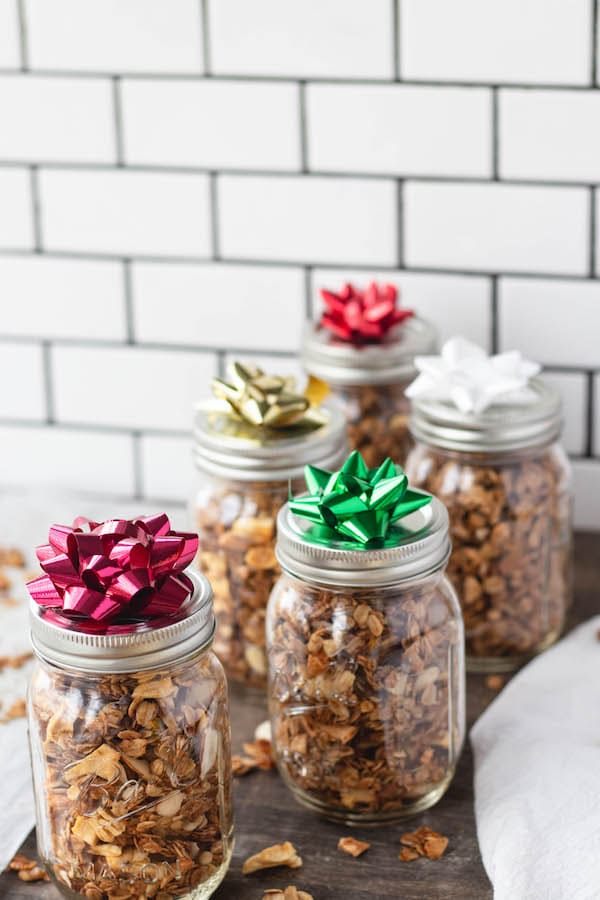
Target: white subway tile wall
(177,180)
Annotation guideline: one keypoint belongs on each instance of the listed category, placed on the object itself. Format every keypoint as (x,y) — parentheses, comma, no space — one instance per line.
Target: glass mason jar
(366,671)
(369,382)
(506,483)
(242,484)
(130,748)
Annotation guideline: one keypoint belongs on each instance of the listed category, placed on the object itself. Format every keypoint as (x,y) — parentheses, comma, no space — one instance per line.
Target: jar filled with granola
(365,643)
(505,480)
(128,716)
(364,348)
(246,467)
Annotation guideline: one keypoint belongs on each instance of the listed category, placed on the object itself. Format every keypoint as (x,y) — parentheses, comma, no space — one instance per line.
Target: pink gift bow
(119,573)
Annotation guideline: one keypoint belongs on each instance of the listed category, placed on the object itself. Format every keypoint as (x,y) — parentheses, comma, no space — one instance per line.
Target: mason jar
(130,749)
(242,482)
(369,381)
(366,671)
(506,483)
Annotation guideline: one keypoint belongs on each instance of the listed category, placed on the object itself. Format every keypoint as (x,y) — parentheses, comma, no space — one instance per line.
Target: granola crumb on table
(277,855)
(27,869)
(352,846)
(289,893)
(422,842)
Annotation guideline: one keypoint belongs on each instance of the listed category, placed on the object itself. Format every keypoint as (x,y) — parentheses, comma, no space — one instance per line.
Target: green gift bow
(356,503)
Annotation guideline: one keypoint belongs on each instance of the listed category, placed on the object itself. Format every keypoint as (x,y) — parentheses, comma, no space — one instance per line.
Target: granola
(511,538)
(17,710)
(377,417)
(289,893)
(365,696)
(352,846)
(134,770)
(278,855)
(422,842)
(27,869)
(236,526)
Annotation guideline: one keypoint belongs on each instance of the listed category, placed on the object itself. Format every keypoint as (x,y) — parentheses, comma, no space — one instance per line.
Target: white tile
(272,365)
(495,227)
(115,35)
(56,119)
(9,35)
(22,394)
(455,304)
(552,321)
(537,41)
(221,124)
(167,468)
(586,477)
(308,219)
(129,387)
(399,129)
(328,38)
(67,458)
(218,305)
(62,298)
(125,212)
(572,387)
(550,134)
(16,224)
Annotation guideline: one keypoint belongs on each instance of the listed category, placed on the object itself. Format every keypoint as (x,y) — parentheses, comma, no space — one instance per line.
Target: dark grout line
(396,25)
(118,121)
(303,127)
(221,364)
(592,236)
(400,221)
(214,216)
(590,415)
(23,35)
(36,208)
(594,48)
(138,476)
(48,381)
(308,293)
(128,299)
(495,135)
(86,427)
(494,317)
(205,22)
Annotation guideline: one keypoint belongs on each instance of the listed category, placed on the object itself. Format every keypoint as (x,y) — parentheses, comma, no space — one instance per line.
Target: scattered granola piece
(4,581)
(27,869)
(278,855)
(263,732)
(261,753)
(14,662)
(352,846)
(288,893)
(494,682)
(16,710)
(10,556)
(422,842)
(241,765)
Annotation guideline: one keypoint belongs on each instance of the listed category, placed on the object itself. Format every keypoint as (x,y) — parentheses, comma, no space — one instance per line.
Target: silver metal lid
(340,363)
(222,447)
(113,653)
(498,428)
(425,547)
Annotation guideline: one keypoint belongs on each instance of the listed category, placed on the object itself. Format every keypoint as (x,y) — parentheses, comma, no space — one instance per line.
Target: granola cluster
(236,526)
(365,696)
(133,776)
(377,417)
(510,525)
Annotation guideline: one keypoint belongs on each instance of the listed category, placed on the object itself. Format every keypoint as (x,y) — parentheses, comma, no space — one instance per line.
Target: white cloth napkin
(537,776)
(24,521)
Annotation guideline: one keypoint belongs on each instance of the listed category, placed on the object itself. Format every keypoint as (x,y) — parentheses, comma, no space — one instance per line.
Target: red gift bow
(362,316)
(114,576)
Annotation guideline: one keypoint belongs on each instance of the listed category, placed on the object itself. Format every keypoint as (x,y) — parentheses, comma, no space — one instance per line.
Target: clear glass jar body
(132,776)
(236,525)
(377,420)
(511,531)
(366,695)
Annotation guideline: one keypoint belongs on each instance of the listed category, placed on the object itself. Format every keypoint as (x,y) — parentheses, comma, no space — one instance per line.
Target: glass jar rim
(137,651)
(270,458)
(498,428)
(344,364)
(424,549)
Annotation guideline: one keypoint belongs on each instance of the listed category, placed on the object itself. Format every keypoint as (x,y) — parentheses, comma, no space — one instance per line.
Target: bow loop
(357,504)
(115,575)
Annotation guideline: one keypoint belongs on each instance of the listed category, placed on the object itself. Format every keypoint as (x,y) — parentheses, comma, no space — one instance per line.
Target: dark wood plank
(266,814)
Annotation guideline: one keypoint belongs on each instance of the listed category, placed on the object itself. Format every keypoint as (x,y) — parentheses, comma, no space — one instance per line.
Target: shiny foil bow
(362,317)
(357,504)
(113,575)
(270,401)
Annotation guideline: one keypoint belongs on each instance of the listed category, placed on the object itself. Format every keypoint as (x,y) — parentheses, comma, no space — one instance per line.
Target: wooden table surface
(266,814)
